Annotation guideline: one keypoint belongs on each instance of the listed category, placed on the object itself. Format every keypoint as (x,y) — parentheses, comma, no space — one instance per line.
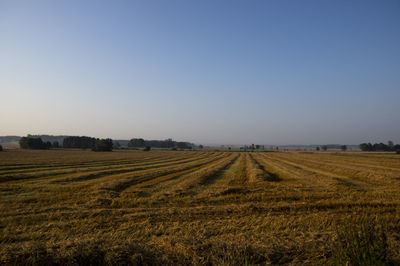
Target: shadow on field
(270,176)
(81,253)
(220,173)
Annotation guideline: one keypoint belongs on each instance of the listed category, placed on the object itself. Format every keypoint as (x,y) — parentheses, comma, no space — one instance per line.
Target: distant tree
(200,146)
(380,147)
(168,143)
(257,147)
(55,144)
(343,147)
(364,147)
(370,147)
(181,145)
(103,145)
(136,143)
(33,143)
(397,148)
(1,148)
(317,148)
(229,148)
(252,147)
(147,148)
(324,147)
(76,142)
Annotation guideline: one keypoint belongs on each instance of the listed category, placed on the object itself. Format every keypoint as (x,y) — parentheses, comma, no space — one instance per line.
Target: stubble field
(195,207)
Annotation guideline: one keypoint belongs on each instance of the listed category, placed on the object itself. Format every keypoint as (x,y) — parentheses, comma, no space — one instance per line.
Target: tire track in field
(239,173)
(289,173)
(202,177)
(140,167)
(362,161)
(34,167)
(209,175)
(354,176)
(258,173)
(326,178)
(90,174)
(375,176)
(54,168)
(162,189)
(92,169)
(95,163)
(163,179)
(120,185)
(231,183)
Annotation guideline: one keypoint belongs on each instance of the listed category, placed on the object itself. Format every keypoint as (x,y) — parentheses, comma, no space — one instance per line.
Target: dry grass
(173,207)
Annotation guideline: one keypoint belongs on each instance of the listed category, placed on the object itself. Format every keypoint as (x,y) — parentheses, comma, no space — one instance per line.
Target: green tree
(55,144)
(343,147)
(76,142)
(324,147)
(380,147)
(138,142)
(103,145)
(397,148)
(33,143)
(364,147)
(317,148)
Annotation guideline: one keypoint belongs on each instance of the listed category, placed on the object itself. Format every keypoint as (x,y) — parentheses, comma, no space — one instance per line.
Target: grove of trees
(76,142)
(168,143)
(33,143)
(103,145)
(84,142)
(380,147)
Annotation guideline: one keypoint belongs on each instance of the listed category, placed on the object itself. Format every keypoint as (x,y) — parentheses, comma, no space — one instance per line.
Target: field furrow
(120,183)
(362,173)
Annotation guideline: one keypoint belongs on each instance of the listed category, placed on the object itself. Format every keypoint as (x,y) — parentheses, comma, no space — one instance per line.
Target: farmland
(192,207)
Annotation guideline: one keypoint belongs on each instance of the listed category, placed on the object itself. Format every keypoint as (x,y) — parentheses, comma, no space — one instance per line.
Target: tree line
(168,144)
(380,147)
(96,144)
(34,143)
(84,142)
(73,142)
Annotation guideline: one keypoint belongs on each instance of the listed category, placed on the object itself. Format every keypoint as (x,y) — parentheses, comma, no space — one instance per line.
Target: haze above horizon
(229,72)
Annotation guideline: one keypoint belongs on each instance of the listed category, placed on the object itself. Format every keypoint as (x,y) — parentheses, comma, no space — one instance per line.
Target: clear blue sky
(228,72)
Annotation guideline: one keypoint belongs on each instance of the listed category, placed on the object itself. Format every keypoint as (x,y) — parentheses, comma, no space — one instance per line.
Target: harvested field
(191,207)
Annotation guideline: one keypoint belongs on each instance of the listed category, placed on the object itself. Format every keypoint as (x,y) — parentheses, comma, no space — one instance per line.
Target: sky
(208,72)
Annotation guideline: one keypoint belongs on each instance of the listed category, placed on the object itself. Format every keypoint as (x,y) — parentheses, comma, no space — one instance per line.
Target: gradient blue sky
(228,72)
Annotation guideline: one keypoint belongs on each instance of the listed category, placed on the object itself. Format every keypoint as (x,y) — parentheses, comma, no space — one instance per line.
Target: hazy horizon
(226,72)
